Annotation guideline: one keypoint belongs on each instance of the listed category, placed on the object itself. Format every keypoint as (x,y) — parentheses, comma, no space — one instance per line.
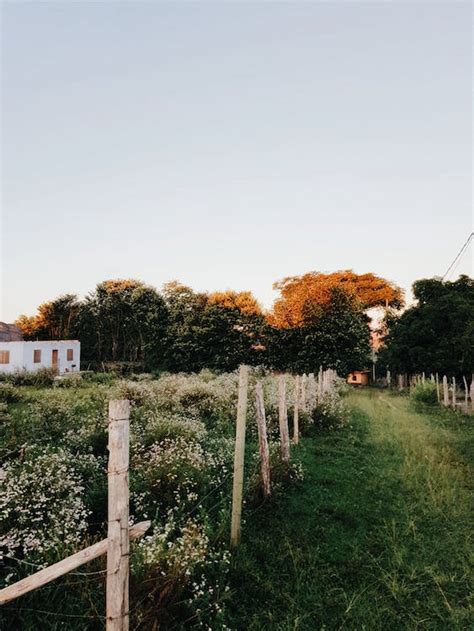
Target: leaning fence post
(118,543)
(238,483)
(262,439)
(283,418)
(296,411)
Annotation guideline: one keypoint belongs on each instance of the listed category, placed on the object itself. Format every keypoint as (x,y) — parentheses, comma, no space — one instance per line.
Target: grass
(376,537)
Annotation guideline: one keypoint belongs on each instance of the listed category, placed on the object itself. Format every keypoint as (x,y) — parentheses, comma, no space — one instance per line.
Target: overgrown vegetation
(378,535)
(54,493)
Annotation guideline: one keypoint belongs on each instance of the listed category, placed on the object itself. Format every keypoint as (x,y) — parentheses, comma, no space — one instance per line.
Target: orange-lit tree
(302,298)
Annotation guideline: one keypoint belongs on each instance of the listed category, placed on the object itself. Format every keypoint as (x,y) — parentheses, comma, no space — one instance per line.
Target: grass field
(378,534)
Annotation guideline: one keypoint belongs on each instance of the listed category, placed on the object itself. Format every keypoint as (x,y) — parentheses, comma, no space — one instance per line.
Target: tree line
(317,320)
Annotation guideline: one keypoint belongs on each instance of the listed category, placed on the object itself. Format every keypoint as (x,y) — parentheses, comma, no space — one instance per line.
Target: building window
(354,377)
(4,357)
(70,354)
(37,356)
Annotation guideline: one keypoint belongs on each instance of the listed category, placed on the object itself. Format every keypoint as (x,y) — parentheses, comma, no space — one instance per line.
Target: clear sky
(228,145)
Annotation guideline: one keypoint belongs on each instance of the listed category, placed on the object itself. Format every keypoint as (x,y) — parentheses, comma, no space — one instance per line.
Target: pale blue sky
(230,145)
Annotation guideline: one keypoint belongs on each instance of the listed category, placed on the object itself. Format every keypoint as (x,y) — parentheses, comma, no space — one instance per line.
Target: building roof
(10,333)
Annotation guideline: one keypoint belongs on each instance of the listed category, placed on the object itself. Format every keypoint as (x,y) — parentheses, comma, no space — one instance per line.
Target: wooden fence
(116,545)
(449,392)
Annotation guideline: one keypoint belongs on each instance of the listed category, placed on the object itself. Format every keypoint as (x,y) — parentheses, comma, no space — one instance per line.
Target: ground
(378,534)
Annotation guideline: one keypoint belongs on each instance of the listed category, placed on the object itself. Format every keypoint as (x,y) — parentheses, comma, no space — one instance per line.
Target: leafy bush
(330,413)
(424,393)
(102,378)
(39,378)
(9,393)
(42,508)
(70,380)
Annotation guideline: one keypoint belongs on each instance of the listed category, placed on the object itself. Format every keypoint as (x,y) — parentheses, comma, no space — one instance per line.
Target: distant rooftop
(10,333)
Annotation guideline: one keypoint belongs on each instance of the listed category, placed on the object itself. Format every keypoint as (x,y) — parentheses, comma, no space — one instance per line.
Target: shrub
(9,393)
(177,574)
(330,412)
(424,393)
(70,380)
(41,377)
(42,510)
(102,378)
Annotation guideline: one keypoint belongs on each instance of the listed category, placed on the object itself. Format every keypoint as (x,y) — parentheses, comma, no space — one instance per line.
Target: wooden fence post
(454,394)
(471,392)
(262,439)
(303,392)
(466,395)
(296,412)
(118,542)
(445,391)
(389,379)
(283,418)
(438,393)
(238,483)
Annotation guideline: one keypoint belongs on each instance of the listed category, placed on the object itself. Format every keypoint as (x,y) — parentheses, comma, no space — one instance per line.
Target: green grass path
(376,537)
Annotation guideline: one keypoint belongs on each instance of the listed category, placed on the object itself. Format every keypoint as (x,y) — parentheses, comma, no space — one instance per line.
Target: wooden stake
(262,439)
(117,609)
(454,393)
(296,411)
(303,393)
(445,391)
(471,392)
(48,574)
(389,379)
(438,391)
(238,483)
(466,395)
(283,418)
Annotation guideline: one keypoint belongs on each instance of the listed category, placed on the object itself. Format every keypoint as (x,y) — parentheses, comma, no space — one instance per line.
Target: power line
(460,253)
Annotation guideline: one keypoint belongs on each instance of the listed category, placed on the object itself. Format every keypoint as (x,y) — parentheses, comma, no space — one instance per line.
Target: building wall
(358,378)
(22,356)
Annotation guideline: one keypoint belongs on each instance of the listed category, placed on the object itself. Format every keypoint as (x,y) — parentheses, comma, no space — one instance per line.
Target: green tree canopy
(437,334)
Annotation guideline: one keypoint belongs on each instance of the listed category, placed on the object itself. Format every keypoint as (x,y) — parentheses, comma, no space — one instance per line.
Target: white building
(64,355)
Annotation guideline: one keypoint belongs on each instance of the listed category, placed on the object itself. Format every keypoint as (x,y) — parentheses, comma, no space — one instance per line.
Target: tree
(336,335)
(123,320)
(437,334)
(303,298)
(55,320)
(219,330)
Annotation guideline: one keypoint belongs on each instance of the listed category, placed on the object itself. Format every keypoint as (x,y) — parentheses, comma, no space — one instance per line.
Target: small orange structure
(358,378)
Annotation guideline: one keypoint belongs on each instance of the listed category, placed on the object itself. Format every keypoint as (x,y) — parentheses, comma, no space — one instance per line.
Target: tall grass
(378,537)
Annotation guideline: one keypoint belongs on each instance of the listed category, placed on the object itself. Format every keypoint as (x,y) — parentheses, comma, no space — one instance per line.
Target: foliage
(335,336)
(42,508)
(424,393)
(40,377)
(330,413)
(304,297)
(377,536)
(218,331)
(55,320)
(437,334)
(9,393)
(123,320)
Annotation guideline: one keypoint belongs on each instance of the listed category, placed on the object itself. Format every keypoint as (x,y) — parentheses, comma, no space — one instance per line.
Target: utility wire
(460,253)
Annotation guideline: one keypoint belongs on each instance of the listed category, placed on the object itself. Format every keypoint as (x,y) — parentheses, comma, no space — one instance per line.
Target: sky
(229,145)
